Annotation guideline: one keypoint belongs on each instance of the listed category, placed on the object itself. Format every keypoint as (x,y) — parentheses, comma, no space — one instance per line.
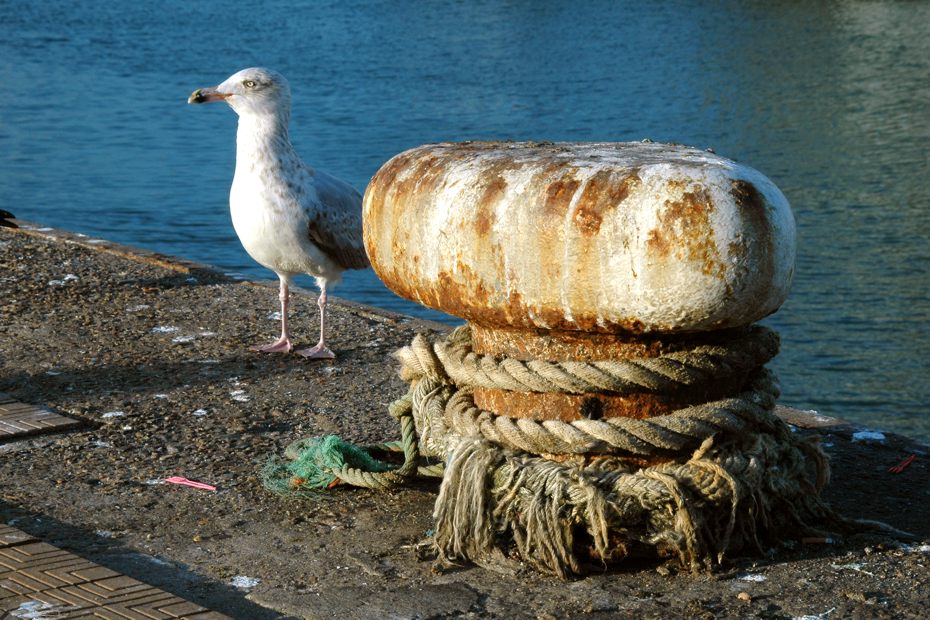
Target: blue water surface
(829,99)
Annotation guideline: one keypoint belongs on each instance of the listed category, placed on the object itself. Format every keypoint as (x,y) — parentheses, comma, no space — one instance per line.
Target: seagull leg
(282,344)
(320,351)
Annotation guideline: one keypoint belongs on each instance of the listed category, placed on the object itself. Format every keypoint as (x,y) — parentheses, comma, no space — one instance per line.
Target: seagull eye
(249,83)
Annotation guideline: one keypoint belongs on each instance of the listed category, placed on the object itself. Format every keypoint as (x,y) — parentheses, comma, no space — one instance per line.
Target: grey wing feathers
(4,217)
(336,223)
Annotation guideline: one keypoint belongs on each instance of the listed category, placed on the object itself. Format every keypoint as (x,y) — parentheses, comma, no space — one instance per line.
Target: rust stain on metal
(752,204)
(386,179)
(478,290)
(424,176)
(406,179)
(753,207)
(511,311)
(602,193)
(559,196)
(569,407)
(541,406)
(465,294)
(455,293)
(738,249)
(408,176)
(514,308)
(747,195)
(493,192)
(557,345)
(383,191)
(685,232)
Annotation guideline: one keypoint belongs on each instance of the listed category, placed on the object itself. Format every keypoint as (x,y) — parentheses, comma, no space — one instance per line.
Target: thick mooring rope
(456,414)
(726,474)
(453,359)
(445,372)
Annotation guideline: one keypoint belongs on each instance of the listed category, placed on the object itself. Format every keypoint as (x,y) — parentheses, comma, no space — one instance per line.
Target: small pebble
(744,596)
(240,396)
(868,436)
(241,581)
(68,278)
(164,329)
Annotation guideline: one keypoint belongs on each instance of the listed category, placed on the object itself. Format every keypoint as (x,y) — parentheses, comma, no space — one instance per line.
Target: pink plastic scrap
(190,483)
(897,469)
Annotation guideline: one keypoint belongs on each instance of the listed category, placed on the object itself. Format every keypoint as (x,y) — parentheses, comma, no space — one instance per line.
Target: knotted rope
(725,474)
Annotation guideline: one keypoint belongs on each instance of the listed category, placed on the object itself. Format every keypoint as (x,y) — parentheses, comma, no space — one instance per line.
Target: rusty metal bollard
(580,251)
(608,398)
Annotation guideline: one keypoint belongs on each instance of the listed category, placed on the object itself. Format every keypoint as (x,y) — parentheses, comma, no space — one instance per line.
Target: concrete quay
(149,354)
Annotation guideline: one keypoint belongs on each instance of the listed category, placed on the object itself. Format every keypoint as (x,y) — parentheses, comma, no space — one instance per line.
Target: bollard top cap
(632,237)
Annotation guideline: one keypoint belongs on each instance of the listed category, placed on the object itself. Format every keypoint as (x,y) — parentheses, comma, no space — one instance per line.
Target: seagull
(5,216)
(290,217)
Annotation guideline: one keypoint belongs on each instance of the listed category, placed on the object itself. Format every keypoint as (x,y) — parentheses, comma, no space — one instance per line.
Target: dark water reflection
(830,100)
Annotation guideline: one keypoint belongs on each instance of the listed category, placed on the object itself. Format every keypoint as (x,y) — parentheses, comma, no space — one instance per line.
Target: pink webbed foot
(281,345)
(319,352)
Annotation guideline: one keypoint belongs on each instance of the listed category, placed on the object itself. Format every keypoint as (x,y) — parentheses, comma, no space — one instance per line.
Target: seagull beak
(206,95)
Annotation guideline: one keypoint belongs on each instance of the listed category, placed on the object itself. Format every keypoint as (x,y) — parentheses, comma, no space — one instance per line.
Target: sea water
(828,99)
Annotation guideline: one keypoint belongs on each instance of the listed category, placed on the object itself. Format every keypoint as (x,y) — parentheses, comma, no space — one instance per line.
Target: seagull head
(254,91)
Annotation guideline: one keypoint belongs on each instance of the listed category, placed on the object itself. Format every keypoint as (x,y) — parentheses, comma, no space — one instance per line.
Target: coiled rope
(725,471)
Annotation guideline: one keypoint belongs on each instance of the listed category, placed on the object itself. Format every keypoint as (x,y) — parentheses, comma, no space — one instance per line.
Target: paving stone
(21,419)
(40,580)
(12,536)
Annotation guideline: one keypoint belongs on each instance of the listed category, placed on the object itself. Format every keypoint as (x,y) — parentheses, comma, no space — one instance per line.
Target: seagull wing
(6,215)
(336,221)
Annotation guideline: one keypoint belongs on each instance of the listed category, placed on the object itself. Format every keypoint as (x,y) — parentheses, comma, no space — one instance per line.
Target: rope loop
(438,410)
(453,360)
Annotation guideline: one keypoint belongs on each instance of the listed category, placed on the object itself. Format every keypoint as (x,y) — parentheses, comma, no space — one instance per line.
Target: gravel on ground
(151,354)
